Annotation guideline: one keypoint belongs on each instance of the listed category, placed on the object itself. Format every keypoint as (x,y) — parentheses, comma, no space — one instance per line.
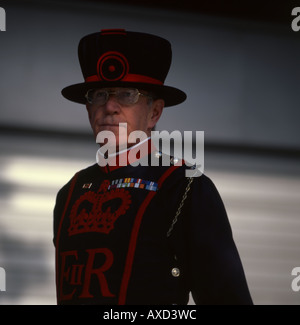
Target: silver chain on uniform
(180,206)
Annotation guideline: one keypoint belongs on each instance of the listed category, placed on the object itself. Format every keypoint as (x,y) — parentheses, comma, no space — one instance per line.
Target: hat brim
(172,96)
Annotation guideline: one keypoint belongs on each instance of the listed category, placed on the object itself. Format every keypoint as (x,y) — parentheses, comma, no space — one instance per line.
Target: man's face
(141,116)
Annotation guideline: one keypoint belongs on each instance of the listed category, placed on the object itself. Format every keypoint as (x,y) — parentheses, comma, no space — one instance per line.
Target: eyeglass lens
(123,96)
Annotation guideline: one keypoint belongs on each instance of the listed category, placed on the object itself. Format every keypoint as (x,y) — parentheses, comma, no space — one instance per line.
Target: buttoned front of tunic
(110,234)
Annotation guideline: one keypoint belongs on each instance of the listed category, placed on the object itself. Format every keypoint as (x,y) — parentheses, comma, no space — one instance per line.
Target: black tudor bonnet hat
(119,58)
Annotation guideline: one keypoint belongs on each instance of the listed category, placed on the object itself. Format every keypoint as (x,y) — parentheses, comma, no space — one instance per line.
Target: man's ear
(156,111)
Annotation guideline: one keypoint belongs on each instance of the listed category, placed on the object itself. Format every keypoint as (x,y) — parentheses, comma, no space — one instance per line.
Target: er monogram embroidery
(97,212)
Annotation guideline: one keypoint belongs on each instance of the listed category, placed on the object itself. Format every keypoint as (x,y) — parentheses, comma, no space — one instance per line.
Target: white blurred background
(241,74)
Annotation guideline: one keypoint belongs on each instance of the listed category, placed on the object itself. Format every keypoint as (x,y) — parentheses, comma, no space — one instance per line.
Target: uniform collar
(125,157)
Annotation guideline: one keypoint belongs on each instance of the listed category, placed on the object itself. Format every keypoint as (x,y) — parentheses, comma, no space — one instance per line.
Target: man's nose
(112,106)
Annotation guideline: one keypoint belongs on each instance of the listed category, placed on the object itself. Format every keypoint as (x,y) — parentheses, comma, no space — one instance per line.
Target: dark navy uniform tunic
(110,234)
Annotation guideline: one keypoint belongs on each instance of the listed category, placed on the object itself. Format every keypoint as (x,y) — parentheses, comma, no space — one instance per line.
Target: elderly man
(133,233)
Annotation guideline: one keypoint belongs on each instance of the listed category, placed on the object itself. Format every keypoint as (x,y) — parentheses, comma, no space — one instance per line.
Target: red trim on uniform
(134,236)
(167,174)
(59,229)
(130,77)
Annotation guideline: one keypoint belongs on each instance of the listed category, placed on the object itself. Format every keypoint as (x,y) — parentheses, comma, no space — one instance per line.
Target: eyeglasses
(124,96)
